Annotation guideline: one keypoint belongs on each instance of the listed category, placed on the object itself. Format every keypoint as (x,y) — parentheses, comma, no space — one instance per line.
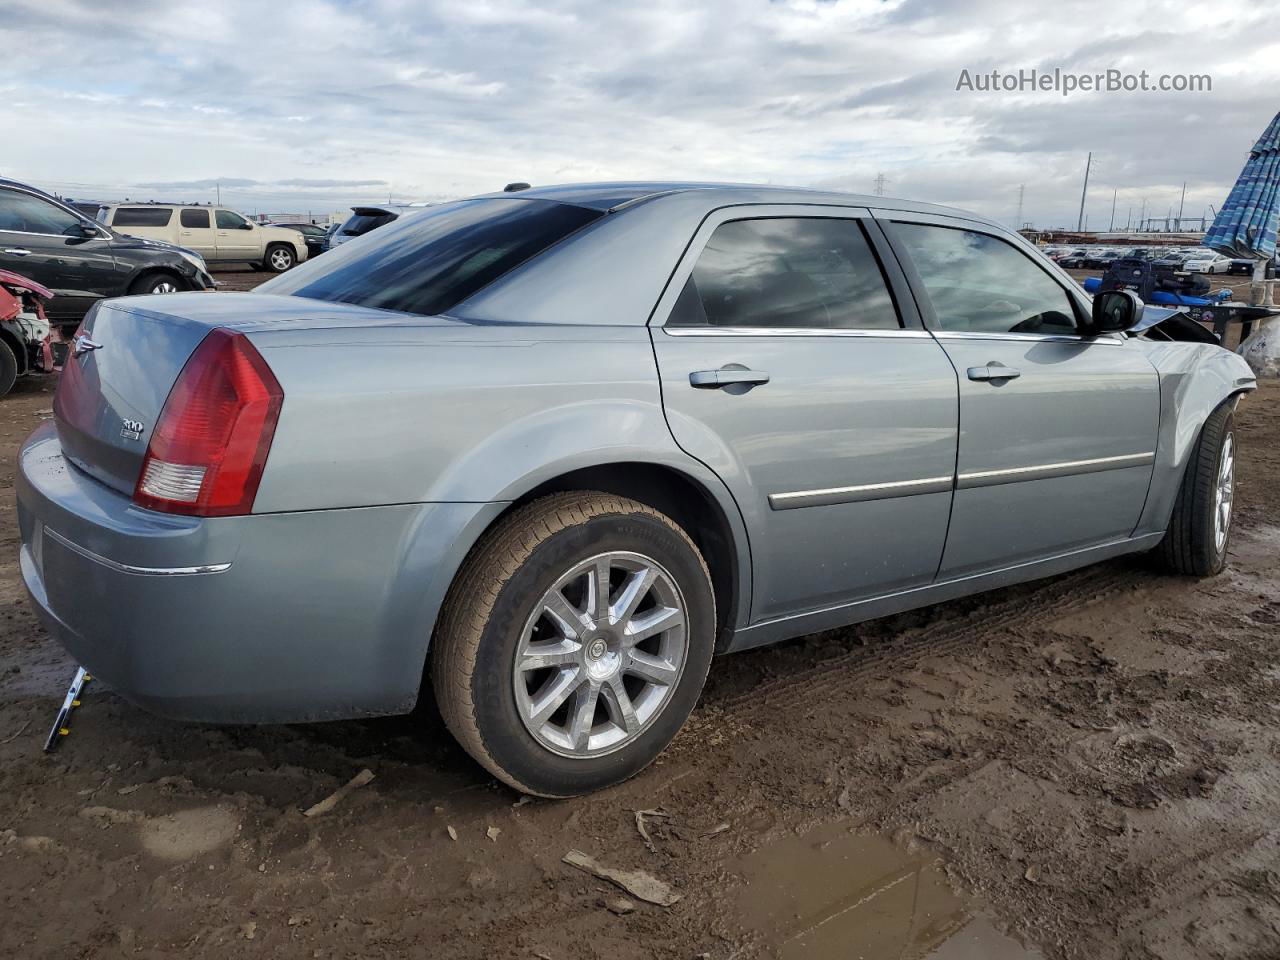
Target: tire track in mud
(948,634)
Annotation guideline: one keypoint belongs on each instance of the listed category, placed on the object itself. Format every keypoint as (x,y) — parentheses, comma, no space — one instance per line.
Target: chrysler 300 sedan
(550,451)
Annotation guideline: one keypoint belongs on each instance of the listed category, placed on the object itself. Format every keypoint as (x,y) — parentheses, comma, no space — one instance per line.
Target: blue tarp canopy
(1246,225)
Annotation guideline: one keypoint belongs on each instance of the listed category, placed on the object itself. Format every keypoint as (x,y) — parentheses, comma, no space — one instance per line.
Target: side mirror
(89,230)
(1116,311)
(246,225)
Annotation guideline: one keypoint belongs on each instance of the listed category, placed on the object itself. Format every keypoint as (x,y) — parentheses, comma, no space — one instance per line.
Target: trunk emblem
(84,344)
(132,429)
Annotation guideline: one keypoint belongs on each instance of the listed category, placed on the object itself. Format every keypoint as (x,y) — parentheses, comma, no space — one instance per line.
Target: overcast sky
(316,105)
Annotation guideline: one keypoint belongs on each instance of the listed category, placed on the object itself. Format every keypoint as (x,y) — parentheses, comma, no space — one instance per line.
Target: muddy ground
(1091,764)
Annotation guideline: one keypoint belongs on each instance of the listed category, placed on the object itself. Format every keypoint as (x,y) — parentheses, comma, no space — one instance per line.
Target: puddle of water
(835,895)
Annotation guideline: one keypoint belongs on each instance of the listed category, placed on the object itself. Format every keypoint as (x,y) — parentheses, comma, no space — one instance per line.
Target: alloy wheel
(1224,492)
(601,655)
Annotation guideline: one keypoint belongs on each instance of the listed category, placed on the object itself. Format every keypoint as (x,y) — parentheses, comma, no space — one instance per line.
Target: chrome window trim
(130,568)
(857,494)
(707,331)
(987,478)
(1039,337)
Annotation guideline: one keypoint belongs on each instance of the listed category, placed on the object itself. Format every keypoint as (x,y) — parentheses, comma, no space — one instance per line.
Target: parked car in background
(27,339)
(218,234)
(316,236)
(367,218)
(607,431)
(1102,259)
(1172,258)
(1206,261)
(1245,266)
(1074,260)
(82,262)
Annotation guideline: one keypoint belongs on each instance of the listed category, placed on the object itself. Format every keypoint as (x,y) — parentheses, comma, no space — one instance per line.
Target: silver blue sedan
(550,451)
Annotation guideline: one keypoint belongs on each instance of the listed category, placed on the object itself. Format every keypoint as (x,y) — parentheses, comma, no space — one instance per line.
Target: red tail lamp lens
(210,445)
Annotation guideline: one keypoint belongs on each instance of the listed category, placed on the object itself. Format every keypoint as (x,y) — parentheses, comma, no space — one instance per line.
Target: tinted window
(812,272)
(428,262)
(361,223)
(980,283)
(23,213)
(196,219)
(142,217)
(226,220)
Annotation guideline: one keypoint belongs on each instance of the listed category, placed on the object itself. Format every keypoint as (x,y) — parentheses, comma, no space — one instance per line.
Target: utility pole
(1128,219)
(1114,193)
(1017,220)
(1182,203)
(1083,190)
(219,188)
(880,182)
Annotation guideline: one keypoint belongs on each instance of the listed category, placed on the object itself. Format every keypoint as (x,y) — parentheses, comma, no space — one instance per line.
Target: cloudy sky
(314,105)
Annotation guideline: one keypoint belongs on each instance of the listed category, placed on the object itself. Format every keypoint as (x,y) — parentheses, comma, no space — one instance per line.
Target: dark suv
(81,261)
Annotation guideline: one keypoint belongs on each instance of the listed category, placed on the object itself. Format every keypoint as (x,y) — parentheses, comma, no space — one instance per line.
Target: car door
(1057,430)
(236,239)
(195,231)
(45,242)
(794,365)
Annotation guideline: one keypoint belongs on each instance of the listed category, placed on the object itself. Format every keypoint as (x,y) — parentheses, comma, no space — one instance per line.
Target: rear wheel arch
(685,500)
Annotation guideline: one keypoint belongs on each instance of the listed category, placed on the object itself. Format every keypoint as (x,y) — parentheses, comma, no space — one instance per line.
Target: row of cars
(1186,259)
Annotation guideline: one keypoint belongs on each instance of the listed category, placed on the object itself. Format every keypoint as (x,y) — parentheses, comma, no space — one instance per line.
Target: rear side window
(428,262)
(982,284)
(803,272)
(142,217)
(195,219)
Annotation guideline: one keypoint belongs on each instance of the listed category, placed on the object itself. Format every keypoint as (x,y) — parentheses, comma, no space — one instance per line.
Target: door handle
(993,371)
(18,251)
(727,376)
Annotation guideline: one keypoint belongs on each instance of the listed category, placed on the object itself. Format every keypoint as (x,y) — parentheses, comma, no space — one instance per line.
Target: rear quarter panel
(464,413)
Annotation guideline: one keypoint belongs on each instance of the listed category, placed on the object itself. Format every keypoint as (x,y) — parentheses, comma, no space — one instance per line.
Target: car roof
(611,196)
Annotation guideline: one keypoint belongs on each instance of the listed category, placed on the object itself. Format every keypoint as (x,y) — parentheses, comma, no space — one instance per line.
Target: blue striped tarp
(1246,224)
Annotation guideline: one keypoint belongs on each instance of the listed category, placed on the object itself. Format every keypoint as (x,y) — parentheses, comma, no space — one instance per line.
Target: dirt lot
(1088,765)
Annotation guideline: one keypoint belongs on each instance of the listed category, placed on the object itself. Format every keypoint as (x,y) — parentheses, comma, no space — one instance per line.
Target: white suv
(216,233)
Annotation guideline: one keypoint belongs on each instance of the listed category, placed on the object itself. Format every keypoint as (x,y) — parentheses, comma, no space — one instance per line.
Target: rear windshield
(142,217)
(427,262)
(361,223)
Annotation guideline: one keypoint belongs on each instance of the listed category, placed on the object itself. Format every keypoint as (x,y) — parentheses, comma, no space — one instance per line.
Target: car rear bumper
(281,617)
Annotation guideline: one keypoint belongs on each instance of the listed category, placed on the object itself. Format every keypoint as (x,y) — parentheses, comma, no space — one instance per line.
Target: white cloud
(445,99)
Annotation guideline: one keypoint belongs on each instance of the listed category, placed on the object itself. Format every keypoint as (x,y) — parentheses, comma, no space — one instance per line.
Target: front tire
(280,258)
(1200,529)
(574,643)
(155,283)
(8,368)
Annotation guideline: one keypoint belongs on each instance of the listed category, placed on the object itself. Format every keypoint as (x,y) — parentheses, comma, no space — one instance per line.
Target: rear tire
(541,680)
(8,368)
(280,257)
(1200,529)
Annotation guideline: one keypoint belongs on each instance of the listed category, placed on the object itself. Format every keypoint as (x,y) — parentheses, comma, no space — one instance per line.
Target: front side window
(195,219)
(428,262)
(23,213)
(227,220)
(142,217)
(978,283)
(787,272)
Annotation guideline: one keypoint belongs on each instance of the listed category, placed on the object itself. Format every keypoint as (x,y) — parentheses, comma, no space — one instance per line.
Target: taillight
(208,449)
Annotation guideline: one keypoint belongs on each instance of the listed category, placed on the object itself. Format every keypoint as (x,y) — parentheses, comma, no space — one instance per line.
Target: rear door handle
(726,376)
(993,371)
(18,251)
